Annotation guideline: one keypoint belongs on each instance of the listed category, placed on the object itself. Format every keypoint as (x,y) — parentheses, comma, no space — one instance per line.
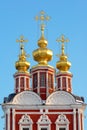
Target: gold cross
(42,17)
(62,39)
(21,39)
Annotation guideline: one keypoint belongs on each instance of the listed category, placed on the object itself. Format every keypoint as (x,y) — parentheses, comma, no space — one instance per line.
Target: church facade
(43,97)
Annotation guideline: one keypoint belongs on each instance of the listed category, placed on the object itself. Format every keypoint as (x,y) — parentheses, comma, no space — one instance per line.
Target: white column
(74,119)
(79,120)
(19,85)
(71,84)
(13,119)
(24,82)
(38,84)
(8,123)
(15,86)
(47,87)
(82,120)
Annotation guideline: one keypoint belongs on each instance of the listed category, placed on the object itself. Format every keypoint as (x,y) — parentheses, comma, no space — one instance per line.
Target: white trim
(38,83)
(27,98)
(47,87)
(47,127)
(13,119)
(51,113)
(21,128)
(8,124)
(79,120)
(74,119)
(19,84)
(25,122)
(82,121)
(62,122)
(44,122)
(24,82)
(60,98)
(71,85)
(52,107)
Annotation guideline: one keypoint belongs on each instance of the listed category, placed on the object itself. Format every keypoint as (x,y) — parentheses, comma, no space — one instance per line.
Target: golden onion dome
(22,65)
(63,64)
(42,55)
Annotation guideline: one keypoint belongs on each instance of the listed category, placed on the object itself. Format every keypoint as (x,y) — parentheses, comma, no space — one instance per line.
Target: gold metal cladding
(22,65)
(62,39)
(42,55)
(21,40)
(63,64)
(42,17)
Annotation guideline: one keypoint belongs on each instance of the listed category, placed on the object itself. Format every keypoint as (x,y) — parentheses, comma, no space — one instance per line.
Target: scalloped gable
(28,98)
(60,98)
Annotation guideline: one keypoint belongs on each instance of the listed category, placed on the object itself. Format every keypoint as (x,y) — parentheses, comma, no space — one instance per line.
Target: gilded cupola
(63,64)
(42,55)
(22,65)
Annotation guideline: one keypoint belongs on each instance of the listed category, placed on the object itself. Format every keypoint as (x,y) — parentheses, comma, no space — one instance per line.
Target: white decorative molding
(60,98)
(62,119)
(25,122)
(13,119)
(27,98)
(79,119)
(44,122)
(74,119)
(8,119)
(62,122)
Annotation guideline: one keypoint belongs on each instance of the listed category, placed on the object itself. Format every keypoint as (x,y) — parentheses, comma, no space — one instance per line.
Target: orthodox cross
(62,40)
(42,17)
(21,41)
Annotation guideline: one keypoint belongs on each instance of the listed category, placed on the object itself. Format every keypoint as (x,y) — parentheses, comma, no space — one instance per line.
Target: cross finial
(21,39)
(42,17)
(62,39)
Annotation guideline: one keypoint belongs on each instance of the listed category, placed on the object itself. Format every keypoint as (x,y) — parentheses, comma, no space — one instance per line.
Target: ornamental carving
(61,98)
(25,120)
(27,98)
(44,119)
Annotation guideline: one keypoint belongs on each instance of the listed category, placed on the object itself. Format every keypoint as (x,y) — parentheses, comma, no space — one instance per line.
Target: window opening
(43,128)
(25,128)
(62,128)
(64,83)
(42,79)
(22,82)
(50,80)
(35,80)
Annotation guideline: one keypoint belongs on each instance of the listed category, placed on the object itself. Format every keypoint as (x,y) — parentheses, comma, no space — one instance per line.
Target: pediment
(27,98)
(60,98)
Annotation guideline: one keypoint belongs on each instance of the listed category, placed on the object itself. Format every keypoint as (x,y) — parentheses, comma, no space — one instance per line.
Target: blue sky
(68,17)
